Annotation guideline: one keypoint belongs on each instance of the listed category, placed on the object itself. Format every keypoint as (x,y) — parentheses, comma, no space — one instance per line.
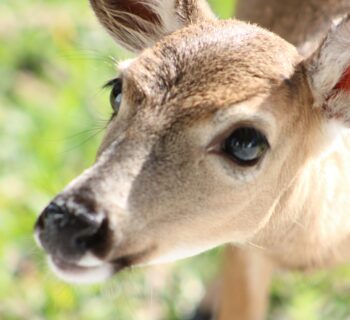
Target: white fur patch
(124,65)
(89,260)
(86,276)
(182,252)
(79,209)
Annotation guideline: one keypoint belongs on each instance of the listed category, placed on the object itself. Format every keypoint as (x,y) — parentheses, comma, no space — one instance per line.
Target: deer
(223,132)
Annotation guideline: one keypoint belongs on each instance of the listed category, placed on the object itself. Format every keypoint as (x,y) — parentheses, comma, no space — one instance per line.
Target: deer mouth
(91,271)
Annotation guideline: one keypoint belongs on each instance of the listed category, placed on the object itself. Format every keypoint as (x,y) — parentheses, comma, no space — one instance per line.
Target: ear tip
(342,22)
(339,34)
(328,68)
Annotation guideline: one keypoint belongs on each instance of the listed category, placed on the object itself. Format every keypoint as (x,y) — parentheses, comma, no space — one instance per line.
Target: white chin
(178,253)
(81,275)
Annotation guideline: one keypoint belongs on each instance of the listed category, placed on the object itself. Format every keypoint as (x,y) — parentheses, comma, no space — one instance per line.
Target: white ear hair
(137,24)
(329,72)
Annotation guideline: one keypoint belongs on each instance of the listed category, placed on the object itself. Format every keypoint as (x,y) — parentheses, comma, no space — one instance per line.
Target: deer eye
(246,146)
(116,95)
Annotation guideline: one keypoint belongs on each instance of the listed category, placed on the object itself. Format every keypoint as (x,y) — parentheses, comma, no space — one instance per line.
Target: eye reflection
(246,146)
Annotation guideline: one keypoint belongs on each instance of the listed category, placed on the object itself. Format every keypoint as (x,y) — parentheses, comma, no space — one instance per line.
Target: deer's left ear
(328,72)
(138,24)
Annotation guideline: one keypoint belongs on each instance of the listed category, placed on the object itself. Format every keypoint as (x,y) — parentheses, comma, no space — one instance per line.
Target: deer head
(212,122)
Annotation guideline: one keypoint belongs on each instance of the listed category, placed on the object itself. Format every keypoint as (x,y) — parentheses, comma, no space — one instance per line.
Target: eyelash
(111,83)
(111,86)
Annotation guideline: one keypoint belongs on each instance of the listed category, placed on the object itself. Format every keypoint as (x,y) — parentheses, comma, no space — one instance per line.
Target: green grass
(54,58)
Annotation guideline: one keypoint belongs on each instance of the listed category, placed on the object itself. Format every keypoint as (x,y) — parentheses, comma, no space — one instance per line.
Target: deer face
(196,154)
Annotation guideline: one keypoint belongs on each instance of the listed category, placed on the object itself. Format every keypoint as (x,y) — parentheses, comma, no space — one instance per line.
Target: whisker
(84,132)
(91,136)
(87,54)
(256,246)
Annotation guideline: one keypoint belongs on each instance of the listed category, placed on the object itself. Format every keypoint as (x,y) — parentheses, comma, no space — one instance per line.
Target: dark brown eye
(246,146)
(116,95)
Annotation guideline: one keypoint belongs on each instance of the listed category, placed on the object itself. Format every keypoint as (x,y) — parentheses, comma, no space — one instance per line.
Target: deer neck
(301,22)
(311,223)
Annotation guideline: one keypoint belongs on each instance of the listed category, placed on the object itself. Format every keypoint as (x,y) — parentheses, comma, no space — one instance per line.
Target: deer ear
(328,71)
(137,24)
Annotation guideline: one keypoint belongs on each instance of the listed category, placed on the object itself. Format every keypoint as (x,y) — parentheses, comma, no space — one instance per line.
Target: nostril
(92,238)
(51,213)
(54,208)
(55,215)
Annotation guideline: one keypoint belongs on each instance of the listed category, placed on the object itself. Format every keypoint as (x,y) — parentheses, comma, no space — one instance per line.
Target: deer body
(302,23)
(222,133)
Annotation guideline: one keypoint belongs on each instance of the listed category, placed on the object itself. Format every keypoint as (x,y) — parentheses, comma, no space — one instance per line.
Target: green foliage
(54,58)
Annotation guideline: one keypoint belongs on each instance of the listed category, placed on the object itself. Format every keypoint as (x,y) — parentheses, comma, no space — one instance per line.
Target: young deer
(222,133)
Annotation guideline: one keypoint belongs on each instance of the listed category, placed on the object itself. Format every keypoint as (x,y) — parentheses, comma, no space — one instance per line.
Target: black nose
(67,234)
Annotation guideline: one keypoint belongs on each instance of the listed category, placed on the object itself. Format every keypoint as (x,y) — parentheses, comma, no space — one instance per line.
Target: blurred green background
(54,58)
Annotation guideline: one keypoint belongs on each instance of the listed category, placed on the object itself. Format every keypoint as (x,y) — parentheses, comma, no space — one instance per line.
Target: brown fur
(300,22)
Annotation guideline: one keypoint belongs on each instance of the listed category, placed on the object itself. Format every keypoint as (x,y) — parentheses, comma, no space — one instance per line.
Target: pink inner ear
(344,82)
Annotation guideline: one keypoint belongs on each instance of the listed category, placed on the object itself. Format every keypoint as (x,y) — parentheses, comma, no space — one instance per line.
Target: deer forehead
(192,74)
(209,66)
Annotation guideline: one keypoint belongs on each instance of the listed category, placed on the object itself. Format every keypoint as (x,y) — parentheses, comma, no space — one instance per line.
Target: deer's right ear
(328,72)
(137,24)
